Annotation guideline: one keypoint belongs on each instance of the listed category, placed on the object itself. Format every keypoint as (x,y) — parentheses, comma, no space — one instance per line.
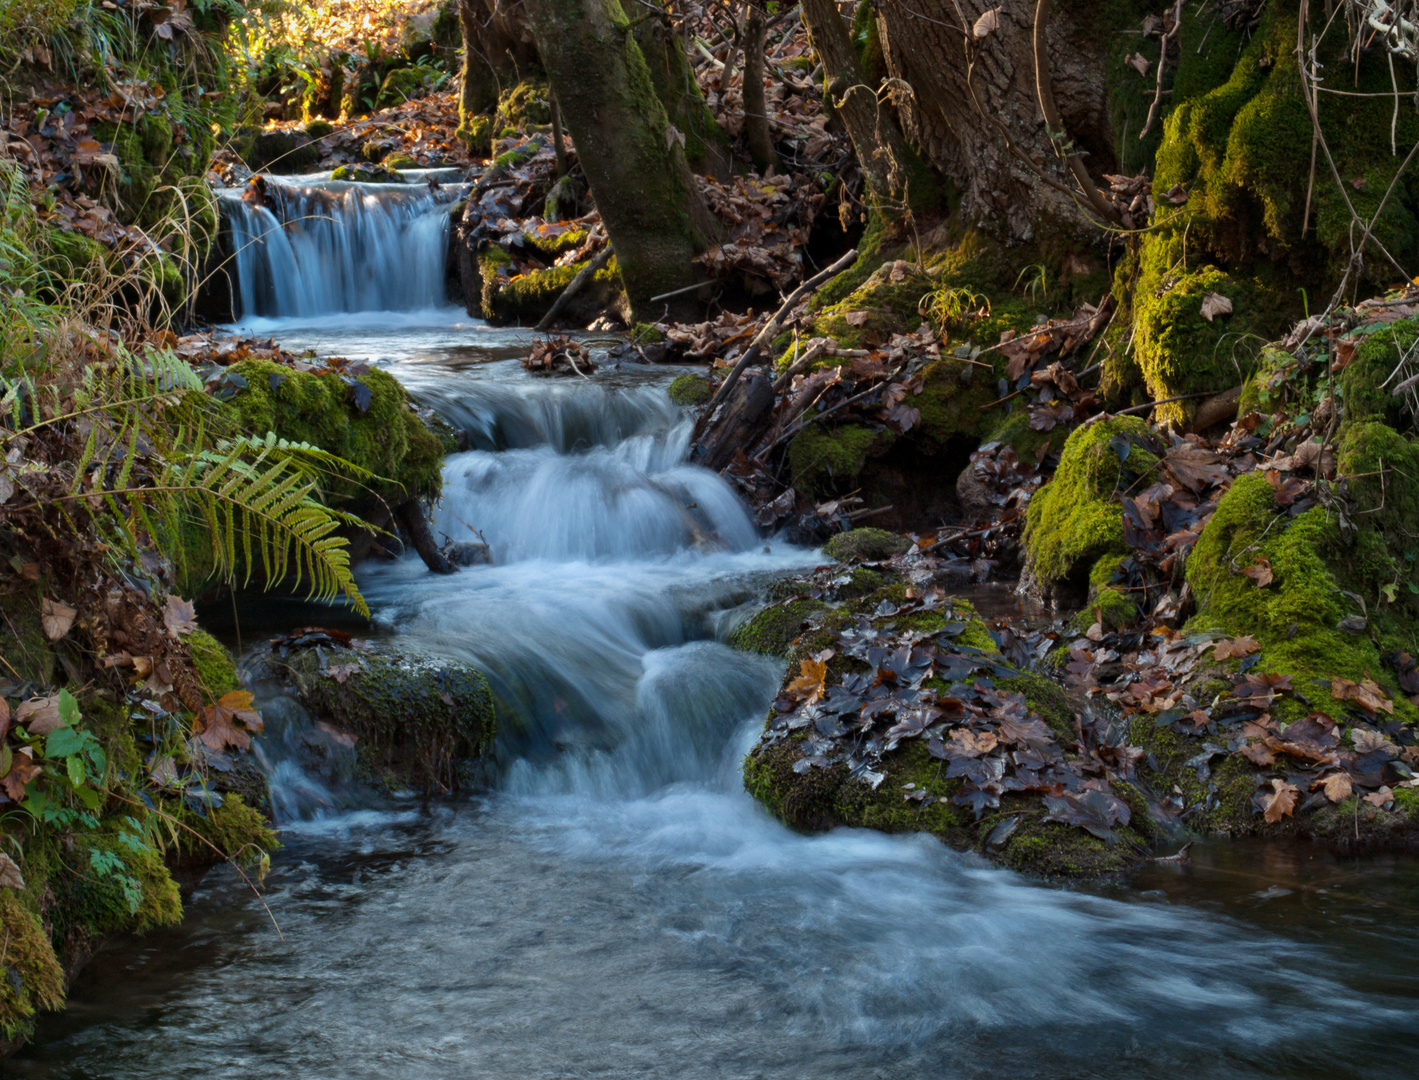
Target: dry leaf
(1367,741)
(56,618)
(22,771)
(1139,63)
(1214,304)
(216,728)
(344,738)
(808,687)
(1259,571)
(179,616)
(1337,786)
(40,715)
(857,318)
(1379,798)
(986,24)
(1281,802)
(341,672)
(10,876)
(1242,646)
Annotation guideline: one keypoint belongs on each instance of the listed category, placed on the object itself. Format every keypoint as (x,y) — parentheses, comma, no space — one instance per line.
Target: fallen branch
(416,524)
(1162,65)
(573,287)
(769,331)
(1134,410)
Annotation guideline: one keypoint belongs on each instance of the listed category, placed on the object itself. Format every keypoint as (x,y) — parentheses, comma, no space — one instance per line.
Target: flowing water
(617,906)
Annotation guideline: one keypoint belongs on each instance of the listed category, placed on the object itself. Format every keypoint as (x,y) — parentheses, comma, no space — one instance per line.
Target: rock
(469,553)
(282,152)
(418,721)
(869,545)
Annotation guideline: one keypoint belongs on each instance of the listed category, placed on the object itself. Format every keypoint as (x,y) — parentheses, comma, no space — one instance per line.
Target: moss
(870,545)
(387,439)
(318,129)
(1074,521)
(35,979)
(527,297)
(1362,382)
(823,460)
(216,671)
(524,104)
(367,174)
(1220,805)
(646,334)
(1107,604)
(397,161)
(558,244)
(476,132)
(236,829)
(773,630)
(416,718)
(690,389)
(28,653)
(399,86)
(71,256)
(1049,849)
(890,307)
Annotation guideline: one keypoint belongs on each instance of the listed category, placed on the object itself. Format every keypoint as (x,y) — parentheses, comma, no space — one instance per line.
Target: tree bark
(638,175)
(876,138)
(497,49)
(975,111)
(706,146)
(756,109)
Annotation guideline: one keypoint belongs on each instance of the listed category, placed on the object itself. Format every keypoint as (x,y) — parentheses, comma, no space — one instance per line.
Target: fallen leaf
(1281,802)
(1242,646)
(1379,798)
(179,616)
(1367,741)
(344,738)
(1337,786)
(1259,571)
(341,672)
(808,687)
(56,618)
(10,876)
(22,770)
(1214,304)
(40,715)
(216,728)
(1139,63)
(1368,694)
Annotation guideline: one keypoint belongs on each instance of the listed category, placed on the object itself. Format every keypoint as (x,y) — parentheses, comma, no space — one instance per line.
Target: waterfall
(330,247)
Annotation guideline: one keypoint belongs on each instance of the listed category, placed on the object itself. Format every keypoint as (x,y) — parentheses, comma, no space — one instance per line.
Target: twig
(1136,409)
(767,333)
(840,405)
(1162,64)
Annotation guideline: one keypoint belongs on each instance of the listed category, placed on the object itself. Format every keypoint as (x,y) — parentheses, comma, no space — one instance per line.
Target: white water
(323,247)
(620,907)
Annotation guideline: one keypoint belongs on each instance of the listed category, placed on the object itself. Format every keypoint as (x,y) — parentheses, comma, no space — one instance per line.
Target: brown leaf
(10,876)
(808,687)
(1194,467)
(1281,802)
(344,738)
(341,672)
(986,24)
(56,618)
(1214,304)
(1258,754)
(179,616)
(1242,646)
(857,318)
(216,728)
(1139,63)
(1337,786)
(1259,571)
(1367,741)
(40,715)
(1379,798)
(1368,694)
(22,771)
(1022,731)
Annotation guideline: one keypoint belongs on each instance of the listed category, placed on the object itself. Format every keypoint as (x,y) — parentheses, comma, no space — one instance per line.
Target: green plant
(953,306)
(1037,285)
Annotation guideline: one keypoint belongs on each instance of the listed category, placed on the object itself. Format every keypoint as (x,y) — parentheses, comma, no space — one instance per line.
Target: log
(1216,409)
(740,424)
(410,514)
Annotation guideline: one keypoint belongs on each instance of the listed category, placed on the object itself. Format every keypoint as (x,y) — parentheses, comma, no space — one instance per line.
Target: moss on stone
(216,670)
(417,719)
(527,297)
(1362,382)
(476,132)
(1074,520)
(399,86)
(823,459)
(554,246)
(387,439)
(36,978)
(367,174)
(1049,849)
(690,389)
(236,829)
(524,104)
(773,630)
(869,545)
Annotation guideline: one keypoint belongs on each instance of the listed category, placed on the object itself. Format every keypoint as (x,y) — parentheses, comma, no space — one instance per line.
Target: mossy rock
(690,389)
(418,720)
(554,245)
(282,152)
(1362,383)
(318,129)
(476,132)
(524,104)
(37,980)
(401,85)
(1074,520)
(367,174)
(397,161)
(216,670)
(773,630)
(387,439)
(524,299)
(824,460)
(867,545)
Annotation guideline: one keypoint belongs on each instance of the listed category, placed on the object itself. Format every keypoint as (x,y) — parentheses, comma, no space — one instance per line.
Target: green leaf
(75,767)
(62,742)
(69,708)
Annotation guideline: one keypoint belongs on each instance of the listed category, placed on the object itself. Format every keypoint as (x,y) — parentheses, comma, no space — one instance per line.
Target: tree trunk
(497,49)
(639,179)
(756,109)
(706,146)
(968,93)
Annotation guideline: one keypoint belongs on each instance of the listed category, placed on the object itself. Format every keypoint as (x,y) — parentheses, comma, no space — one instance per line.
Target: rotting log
(740,423)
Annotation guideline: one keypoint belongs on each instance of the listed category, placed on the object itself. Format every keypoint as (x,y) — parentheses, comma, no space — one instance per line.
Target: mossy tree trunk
(756,109)
(706,145)
(639,178)
(974,110)
(498,49)
(877,140)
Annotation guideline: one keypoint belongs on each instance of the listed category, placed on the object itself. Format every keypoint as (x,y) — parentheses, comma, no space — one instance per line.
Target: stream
(617,906)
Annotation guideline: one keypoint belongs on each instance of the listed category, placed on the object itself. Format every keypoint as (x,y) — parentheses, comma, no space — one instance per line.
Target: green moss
(27,651)
(1049,849)
(216,671)
(646,334)
(559,244)
(387,439)
(690,389)
(399,86)
(823,460)
(870,545)
(397,161)
(237,830)
(1074,520)
(524,104)
(36,979)
(476,132)
(318,129)
(367,174)
(1362,382)
(773,630)
(1220,805)
(417,719)
(527,297)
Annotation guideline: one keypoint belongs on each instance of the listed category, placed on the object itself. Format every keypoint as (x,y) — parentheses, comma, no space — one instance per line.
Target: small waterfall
(331,247)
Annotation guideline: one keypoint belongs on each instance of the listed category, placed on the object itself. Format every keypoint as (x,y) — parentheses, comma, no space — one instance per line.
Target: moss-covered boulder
(367,420)
(401,85)
(523,299)
(690,389)
(1074,520)
(281,151)
(868,545)
(418,721)
(525,105)
(360,173)
(910,788)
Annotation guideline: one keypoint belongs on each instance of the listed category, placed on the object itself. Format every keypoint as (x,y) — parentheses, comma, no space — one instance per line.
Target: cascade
(327,247)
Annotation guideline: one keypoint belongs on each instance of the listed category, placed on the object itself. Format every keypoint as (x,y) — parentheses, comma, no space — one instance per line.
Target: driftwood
(410,514)
(740,423)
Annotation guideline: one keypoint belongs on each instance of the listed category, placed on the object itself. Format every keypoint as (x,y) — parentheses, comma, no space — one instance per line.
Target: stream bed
(617,906)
